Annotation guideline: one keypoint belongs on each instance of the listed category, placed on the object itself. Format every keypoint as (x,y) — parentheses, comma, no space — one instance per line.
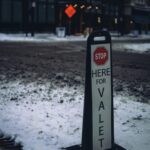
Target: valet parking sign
(98,116)
(101,96)
(98,122)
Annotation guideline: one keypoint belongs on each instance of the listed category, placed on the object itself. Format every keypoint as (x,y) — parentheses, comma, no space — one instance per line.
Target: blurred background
(122,16)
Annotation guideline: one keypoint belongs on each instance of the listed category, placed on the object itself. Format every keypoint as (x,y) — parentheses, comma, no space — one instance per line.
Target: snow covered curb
(126,43)
(38,38)
(50,37)
(133,47)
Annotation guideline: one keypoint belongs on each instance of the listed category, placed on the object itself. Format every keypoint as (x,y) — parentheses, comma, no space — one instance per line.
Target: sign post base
(79,147)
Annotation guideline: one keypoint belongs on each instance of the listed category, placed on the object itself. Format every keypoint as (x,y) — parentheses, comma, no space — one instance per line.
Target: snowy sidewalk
(129,43)
(45,37)
(20,37)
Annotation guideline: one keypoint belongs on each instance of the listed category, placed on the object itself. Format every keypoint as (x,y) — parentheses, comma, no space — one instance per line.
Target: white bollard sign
(98,115)
(101,96)
(98,124)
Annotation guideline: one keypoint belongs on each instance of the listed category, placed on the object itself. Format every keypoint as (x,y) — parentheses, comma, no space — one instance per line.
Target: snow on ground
(133,47)
(138,47)
(41,115)
(47,115)
(132,120)
(45,37)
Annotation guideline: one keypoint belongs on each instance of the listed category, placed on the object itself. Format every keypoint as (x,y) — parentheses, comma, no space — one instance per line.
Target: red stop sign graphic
(100,56)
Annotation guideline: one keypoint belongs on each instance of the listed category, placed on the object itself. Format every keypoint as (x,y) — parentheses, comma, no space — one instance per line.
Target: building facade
(141,14)
(22,15)
(46,15)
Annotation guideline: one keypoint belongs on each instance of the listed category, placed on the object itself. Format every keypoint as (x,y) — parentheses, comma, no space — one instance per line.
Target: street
(46,59)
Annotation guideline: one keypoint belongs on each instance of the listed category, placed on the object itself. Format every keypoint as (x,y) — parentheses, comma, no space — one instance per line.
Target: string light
(82,6)
(75,5)
(89,7)
(98,19)
(96,8)
(116,20)
(131,22)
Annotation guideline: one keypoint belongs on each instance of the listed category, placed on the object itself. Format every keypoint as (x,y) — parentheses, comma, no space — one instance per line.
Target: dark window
(51,14)
(50,0)
(42,13)
(17,11)
(42,0)
(6,11)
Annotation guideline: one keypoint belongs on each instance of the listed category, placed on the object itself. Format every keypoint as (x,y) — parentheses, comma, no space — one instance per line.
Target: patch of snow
(132,121)
(50,37)
(41,116)
(133,48)
(140,48)
(49,116)
(45,37)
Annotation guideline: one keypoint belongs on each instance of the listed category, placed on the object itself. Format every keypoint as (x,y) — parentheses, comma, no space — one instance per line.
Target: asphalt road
(47,59)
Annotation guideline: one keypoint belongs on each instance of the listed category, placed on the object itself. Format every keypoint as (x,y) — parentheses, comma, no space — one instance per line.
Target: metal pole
(33,5)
